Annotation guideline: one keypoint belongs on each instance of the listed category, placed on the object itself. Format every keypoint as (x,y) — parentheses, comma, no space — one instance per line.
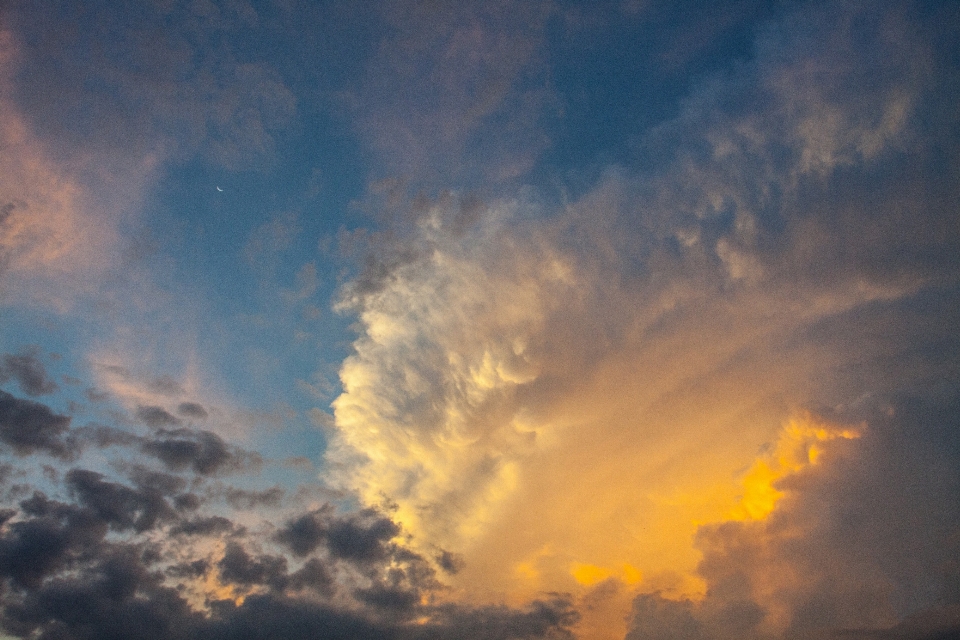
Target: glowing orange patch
(799,446)
(589,574)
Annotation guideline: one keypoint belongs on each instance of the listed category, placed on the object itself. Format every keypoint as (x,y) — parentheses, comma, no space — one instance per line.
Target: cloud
(133,550)
(156,417)
(713,395)
(28,427)
(210,526)
(522,383)
(240,499)
(192,410)
(203,452)
(361,537)
(239,567)
(845,548)
(29,373)
(117,505)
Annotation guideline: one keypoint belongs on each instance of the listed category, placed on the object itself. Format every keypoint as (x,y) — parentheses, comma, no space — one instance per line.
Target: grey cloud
(656,618)
(53,533)
(118,505)
(864,561)
(241,568)
(360,537)
(192,410)
(155,481)
(204,526)
(166,385)
(67,580)
(157,417)
(28,427)
(243,499)
(546,618)
(314,575)
(104,436)
(29,372)
(450,562)
(202,452)
(187,502)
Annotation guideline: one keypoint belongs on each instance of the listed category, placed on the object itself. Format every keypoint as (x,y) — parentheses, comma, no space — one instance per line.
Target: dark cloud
(450,562)
(304,534)
(30,427)
(192,410)
(104,436)
(187,502)
(157,417)
(548,618)
(202,452)
(239,567)
(357,537)
(166,385)
(244,499)
(118,505)
(155,481)
(203,526)
(28,371)
(66,579)
(362,536)
(314,575)
(656,618)
(51,534)
(396,600)
(116,597)
(273,616)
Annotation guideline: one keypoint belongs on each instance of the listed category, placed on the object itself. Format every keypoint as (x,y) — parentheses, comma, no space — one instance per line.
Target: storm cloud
(513,320)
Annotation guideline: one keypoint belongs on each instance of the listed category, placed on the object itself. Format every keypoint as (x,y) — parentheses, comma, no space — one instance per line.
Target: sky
(519,319)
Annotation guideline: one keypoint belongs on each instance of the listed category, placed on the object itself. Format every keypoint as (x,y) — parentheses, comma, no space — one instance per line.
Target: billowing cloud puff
(521,384)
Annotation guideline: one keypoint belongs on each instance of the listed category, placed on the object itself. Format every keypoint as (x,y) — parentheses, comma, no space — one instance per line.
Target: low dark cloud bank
(101,555)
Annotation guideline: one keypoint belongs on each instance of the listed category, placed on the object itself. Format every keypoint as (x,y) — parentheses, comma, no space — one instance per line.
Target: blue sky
(506,319)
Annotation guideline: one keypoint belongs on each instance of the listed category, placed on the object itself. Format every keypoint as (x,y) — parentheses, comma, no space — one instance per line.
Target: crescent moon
(219,189)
